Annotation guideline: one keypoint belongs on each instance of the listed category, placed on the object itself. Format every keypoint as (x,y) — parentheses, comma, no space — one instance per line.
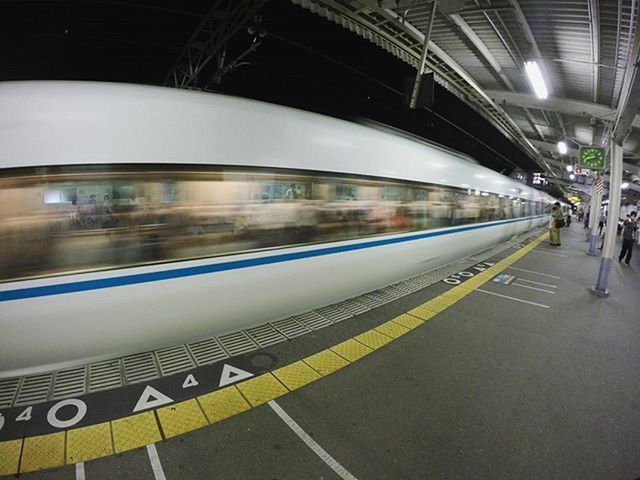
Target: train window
(82,218)
(346,192)
(60,195)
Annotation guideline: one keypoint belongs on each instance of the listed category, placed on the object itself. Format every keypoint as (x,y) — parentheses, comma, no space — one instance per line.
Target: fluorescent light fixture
(562,148)
(572,176)
(536,80)
(625,185)
(485,194)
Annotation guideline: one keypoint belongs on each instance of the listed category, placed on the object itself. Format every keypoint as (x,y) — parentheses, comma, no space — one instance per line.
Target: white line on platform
(549,253)
(531,271)
(311,443)
(512,298)
(533,288)
(520,279)
(158,472)
(80,471)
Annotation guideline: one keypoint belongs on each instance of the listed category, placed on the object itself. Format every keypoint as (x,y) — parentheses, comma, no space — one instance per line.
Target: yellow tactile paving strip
(135,431)
(181,418)
(10,456)
(87,443)
(223,404)
(43,451)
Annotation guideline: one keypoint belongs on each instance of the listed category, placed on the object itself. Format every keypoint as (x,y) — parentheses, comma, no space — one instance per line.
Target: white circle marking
(55,422)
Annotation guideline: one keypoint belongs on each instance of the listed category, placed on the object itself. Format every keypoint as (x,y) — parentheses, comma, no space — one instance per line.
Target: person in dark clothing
(629,228)
(601,224)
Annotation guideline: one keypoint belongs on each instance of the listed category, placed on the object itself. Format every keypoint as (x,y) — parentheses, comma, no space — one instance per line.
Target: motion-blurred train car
(138,217)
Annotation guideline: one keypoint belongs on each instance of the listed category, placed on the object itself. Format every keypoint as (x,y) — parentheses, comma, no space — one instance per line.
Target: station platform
(508,369)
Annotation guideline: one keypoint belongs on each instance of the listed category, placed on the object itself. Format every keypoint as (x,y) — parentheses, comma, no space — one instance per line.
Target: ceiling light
(625,185)
(572,176)
(562,148)
(536,80)
(569,168)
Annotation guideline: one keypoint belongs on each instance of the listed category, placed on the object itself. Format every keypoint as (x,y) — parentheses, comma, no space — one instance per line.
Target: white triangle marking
(151,398)
(232,374)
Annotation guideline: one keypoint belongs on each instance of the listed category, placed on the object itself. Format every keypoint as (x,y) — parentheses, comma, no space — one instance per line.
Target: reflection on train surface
(61,220)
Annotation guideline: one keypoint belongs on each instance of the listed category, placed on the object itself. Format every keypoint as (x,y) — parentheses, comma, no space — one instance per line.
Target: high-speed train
(136,217)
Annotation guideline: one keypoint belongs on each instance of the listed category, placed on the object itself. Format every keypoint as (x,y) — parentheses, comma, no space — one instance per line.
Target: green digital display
(592,157)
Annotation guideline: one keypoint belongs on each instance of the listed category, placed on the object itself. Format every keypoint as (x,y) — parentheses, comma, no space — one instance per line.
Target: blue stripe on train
(97,284)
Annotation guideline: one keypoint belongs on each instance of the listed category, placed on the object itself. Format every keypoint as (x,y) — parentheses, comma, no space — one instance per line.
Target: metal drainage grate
(335,313)
(34,389)
(353,306)
(207,351)
(174,360)
(312,320)
(290,327)
(68,383)
(140,367)
(237,343)
(370,301)
(265,335)
(8,390)
(105,375)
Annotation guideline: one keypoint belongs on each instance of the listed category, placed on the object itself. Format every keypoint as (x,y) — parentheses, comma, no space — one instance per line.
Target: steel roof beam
(491,59)
(574,152)
(526,28)
(562,105)
(482,48)
(594,17)
(629,102)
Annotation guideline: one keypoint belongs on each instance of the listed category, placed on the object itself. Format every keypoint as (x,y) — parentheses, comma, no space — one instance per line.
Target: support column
(592,209)
(597,211)
(608,251)
(423,59)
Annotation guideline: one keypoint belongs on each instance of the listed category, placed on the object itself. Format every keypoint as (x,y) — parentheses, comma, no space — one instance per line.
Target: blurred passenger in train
(555,223)
(629,229)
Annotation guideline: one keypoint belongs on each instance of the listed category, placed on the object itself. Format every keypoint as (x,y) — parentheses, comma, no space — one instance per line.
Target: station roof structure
(478,48)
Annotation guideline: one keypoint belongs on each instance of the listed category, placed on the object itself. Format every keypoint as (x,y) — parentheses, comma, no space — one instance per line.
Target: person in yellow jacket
(556,221)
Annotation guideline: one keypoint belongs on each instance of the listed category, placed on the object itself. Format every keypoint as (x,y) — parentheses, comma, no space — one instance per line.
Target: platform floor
(537,379)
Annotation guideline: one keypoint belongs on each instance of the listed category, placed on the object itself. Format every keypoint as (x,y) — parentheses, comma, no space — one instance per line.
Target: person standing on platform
(601,224)
(556,222)
(629,228)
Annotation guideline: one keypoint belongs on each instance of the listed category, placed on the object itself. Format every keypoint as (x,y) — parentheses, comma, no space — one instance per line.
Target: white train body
(55,321)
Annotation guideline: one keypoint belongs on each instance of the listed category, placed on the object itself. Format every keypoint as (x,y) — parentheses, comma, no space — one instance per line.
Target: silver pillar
(592,204)
(597,209)
(423,59)
(608,251)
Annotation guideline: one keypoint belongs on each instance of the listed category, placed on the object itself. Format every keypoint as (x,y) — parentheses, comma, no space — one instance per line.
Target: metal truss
(224,19)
